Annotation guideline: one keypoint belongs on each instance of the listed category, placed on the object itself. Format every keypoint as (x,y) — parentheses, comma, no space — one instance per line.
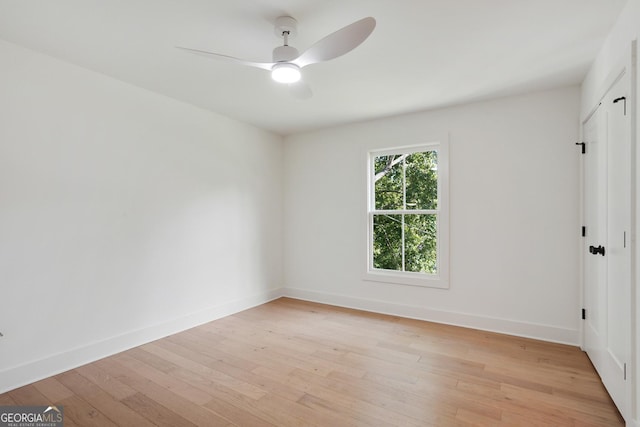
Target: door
(607,252)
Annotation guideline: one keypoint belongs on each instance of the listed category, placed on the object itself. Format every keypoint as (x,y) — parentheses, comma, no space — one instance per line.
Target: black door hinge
(584,314)
(584,231)
(622,98)
(584,146)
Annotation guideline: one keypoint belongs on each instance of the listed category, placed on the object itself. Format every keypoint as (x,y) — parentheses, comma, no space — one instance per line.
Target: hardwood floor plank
(572,408)
(224,397)
(200,364)
(207,344)
(155,412)
(239,415)
(199,375)
(168,382)
(273,403)
(398,403)
(160,395)
(53,389)
(475,419)
(43,393)
(358,417)
(358,401)
(297,363)
(500,399)
(83,414)
(572,379)
(6,400)
(106,381)
(29,395)
(274,348)
(266,410)
(119,413)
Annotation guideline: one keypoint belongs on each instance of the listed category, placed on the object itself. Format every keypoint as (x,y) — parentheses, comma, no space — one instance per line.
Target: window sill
(405,278)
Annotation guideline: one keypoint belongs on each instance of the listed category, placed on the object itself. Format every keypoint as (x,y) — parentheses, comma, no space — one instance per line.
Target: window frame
(441,278)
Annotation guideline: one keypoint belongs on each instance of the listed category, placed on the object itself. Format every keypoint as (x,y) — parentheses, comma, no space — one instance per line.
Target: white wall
(615,49)
(124,216)
(514,215)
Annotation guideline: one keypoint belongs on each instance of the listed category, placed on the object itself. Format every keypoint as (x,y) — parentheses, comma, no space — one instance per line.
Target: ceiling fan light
(285,73)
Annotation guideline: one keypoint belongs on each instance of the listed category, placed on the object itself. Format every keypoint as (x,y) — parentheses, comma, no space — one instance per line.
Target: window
(408,215)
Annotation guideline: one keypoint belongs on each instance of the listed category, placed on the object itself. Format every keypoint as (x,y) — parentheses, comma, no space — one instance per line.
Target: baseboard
(30,372)
(505,326)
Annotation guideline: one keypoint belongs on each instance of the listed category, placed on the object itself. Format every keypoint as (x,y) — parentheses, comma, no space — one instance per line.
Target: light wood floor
(290,363)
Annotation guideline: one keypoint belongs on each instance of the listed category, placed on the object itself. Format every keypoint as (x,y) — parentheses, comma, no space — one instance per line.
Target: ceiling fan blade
(338,43)
(264,65)
(300,90)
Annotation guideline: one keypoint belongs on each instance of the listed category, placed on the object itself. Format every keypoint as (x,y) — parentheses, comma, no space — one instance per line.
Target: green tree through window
(405,212)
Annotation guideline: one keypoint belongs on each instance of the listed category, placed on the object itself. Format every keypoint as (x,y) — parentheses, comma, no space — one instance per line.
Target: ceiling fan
(288,63)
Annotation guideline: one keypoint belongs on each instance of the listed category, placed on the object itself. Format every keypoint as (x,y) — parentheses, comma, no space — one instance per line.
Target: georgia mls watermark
(31,416)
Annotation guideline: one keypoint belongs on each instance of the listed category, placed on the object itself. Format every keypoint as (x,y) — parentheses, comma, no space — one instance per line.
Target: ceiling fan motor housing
(285,53)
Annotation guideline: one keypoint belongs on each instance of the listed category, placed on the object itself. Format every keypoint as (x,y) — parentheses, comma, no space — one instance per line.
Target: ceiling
(423,54)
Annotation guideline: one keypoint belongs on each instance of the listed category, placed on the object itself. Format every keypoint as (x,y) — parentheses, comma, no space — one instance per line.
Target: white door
(607,254)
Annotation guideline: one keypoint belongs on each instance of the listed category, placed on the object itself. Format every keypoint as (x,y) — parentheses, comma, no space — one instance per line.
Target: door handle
(596,250)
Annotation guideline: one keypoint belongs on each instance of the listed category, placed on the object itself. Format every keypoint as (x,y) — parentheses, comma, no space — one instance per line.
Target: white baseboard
(33,371)
(505,326)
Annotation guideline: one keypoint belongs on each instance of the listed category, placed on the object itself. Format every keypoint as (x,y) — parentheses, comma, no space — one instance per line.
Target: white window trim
(441,279)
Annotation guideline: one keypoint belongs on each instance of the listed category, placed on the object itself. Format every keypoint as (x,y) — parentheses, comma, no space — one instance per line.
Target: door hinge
(625,371)
(584,231)
(622,98)
(584,314)
(584,146)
